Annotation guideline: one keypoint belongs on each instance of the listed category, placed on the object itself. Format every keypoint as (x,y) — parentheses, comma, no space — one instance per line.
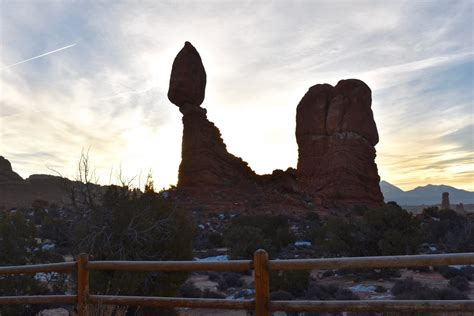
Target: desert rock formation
(445,205)
(336,134)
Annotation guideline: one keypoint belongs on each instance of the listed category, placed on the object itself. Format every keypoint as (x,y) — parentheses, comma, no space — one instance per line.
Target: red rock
(336,135)
(188,78)
(445,201)
(335,132)
(6,172)
(205,160)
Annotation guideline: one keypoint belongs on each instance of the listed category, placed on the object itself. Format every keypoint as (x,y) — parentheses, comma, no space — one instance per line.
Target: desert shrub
(281,296)
(380,289)
(131,225)
(243,241)
(216,240)
(450,273)
(410,289)
(213,276)
(232,279)
(451,231)
(248,233)
(294,282)
(389,230)
(188,289)
(328,273)
(329,292)
(460,282)
(226,279)
(19,247)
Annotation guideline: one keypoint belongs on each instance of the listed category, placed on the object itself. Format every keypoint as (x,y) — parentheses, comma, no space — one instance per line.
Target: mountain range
(425,195)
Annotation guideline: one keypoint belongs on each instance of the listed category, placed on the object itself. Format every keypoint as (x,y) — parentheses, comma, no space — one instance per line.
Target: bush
(188,289)
(281,296)
(389,230)
(243,241)
(294,282)
(450,273)
(249,233)
(216,240)
(460,282)
(130,225)
(380,289)
(451,231)
(329,293)
(410,289)
(232,279)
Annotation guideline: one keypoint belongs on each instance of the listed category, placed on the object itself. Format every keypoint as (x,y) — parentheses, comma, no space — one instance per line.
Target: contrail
(42,55)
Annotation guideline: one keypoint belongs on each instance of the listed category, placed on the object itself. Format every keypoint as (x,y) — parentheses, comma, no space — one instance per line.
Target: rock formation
(205,160)
(445,201)
(18,192)
(336,135)
(6,172)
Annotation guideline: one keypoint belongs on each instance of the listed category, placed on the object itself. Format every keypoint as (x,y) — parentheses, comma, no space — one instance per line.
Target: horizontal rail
(34,268)
(38,299)
(173,302)
(171,266)
(373,306)
(372,262)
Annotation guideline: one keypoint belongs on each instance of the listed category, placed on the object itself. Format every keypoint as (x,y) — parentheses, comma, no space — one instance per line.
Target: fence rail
(262,305)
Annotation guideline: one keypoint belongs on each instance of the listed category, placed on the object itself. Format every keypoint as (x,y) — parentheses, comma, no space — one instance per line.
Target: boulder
(188,78)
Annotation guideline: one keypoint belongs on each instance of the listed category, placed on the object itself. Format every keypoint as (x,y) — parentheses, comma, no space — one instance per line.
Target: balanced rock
(205,160)
(188,78)
(336,135)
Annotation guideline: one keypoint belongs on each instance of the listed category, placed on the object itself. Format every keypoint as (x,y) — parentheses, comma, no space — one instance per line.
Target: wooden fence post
(82,284)
(262,283)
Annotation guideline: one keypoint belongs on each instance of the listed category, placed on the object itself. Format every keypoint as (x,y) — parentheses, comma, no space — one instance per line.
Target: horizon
(96,76)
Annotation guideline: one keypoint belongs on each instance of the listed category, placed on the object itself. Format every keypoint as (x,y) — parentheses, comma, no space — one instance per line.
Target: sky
(93,76)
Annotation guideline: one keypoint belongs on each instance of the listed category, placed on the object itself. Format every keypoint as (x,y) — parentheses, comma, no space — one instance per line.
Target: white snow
(48,246)
(302,243)
(362,288)
(459,266)
(45,277)
(214,258)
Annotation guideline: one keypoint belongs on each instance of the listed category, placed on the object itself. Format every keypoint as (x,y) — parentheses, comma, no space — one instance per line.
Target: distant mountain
(425,195)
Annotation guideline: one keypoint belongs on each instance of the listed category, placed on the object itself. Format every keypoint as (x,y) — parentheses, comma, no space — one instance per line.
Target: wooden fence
(262,305)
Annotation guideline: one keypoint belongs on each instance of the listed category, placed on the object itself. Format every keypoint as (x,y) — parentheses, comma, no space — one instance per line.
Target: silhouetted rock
(6,172)
(205,160)
(188,78)
(336,135)
(335,131)
(209,176)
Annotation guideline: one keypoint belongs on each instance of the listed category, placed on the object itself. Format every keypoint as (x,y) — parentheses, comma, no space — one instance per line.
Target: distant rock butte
(6,172)
(336,135)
